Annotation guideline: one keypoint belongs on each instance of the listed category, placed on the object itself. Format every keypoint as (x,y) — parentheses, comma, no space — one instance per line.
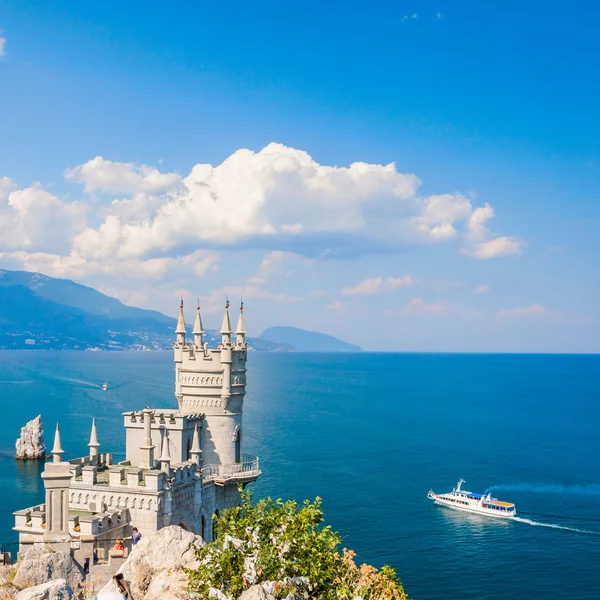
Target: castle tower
(213,382)
(57,480)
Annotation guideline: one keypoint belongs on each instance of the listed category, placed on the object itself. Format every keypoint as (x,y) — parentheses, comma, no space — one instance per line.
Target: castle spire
(195,450)
(57,450)
(93,442)
(180,331)
(198,330)
(165,455)
(240,330)
(226,326)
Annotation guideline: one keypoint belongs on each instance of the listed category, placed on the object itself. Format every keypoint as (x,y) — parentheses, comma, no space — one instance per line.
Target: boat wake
(547,488)
(554,526)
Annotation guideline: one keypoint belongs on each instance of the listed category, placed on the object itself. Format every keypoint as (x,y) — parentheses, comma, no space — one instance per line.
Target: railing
(249,467)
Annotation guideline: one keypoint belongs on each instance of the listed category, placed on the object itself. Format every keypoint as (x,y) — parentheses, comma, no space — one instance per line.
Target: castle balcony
(243,472)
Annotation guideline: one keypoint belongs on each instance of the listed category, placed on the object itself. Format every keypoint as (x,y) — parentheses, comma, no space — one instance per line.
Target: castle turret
(195,451)
(226,326)
(240,330)
(180,330)
(57,450)
(57,480)
(94,445)
(198,330)
(165,455)
(147,448)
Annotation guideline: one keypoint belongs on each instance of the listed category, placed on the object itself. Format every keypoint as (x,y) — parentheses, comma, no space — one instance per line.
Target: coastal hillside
(41,312)
(307,341)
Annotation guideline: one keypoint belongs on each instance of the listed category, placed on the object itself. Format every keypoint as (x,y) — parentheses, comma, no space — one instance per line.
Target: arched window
(214,525)
(238,446)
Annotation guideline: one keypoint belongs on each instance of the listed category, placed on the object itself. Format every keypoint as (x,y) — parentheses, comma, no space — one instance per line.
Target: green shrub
(277,541)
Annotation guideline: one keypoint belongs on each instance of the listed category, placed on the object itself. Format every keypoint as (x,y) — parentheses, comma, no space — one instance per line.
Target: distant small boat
(482,504)
(104,386)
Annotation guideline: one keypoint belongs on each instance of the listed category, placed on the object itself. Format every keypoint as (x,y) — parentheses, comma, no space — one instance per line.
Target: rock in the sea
(41,566)
(31,443)
(155,568)
(52,590)
(56,589)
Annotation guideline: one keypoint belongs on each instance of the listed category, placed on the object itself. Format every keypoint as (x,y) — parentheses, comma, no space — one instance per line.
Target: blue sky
(475,103)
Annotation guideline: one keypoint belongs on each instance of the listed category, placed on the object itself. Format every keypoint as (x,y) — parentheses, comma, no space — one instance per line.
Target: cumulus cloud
(2,46)
(32,219)
(279,200)
(103,175)
(482,289)
(479,244)
(376,285)
(523,311)
(418,306)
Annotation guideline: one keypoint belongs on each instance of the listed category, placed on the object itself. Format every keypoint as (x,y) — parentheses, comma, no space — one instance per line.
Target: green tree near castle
(286,547)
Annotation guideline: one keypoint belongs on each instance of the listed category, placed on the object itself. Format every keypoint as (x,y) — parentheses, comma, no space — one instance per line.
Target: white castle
(181,466)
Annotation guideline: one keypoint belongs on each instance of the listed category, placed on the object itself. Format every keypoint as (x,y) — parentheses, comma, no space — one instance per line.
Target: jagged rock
(155,568)
(56,589)
(41,566)
(256,592)
(8,592)
(31,443)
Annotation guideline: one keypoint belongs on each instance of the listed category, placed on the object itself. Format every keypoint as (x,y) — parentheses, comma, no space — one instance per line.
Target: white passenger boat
(481,504)
(104,386)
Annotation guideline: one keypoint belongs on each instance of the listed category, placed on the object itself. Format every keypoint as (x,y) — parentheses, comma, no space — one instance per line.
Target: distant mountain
(37,311)
(307,341)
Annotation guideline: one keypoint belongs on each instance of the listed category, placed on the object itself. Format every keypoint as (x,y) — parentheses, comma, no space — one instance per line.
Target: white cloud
(2,46)
(277,265)
(335,305)
(279,200)
(103,175)
(418,306)
(376,285)
(523,311)
(482,289)
(34,220)
(478,244)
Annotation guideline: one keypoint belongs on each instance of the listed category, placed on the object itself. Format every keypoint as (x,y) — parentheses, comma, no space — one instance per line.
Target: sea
(370,434)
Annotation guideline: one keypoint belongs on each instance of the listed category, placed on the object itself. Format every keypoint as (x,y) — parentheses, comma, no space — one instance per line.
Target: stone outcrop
(155,568)
(52,590)
(31,442)
(257,592)
(41,566)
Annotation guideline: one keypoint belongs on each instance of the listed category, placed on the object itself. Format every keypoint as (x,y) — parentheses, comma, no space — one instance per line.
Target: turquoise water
(371,433)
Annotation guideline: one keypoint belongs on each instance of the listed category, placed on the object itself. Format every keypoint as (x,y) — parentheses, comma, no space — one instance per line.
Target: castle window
(203,531)
(238,446)
(214,525)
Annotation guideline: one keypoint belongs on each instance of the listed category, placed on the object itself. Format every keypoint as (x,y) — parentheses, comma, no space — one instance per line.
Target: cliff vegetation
(284,550)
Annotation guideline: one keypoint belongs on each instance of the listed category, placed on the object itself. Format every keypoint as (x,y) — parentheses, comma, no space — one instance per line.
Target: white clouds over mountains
(278,199)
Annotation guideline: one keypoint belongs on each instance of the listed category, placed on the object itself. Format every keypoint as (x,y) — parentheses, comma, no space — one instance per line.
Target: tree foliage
(288,546)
